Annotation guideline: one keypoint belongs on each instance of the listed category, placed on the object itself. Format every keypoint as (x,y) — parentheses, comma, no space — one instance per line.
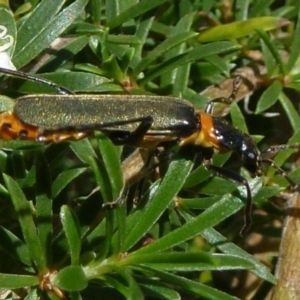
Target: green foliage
(57,234)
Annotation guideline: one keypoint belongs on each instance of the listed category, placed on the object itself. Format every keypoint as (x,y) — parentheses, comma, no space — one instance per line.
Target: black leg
(227,174)
(135,136)
(118,136)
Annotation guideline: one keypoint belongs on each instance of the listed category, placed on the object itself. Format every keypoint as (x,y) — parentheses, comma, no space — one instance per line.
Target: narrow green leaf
(96,10)
(277,57)
(128,286)
(14,247)
(10,281)
(112,69)
(6,103)
(26,220)
(134,290)
(142,32)
(196,177)
(24,8)
(259,8)
(295,138)
(189,262)
(112,162)
(44,204)
(123,39)
(72,232)
(74,81)
(160,28)
(219,63)
(242,12)
(18,164)
(218,186)
(291,112)
(240,29)
(215,238)
(163,48)
(269,97)
(124,5)
(179,76)
(268,59)
(64,178)
(112,10)
(67,51)
(237,118)
(293,85)
(295,46)
(211,217)
(42,15)
(199,203)
(134,11)
(101,177)
(169,187)
(42,37)
(192,286)
(155,288)
(83,150)
(21,145)
(198,53)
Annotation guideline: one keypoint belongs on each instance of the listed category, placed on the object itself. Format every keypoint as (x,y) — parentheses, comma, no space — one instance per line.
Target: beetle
(142,120)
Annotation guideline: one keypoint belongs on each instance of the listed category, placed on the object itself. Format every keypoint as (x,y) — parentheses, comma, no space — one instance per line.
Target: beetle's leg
(228,174)
(131,137)
(118,136)
(237,81)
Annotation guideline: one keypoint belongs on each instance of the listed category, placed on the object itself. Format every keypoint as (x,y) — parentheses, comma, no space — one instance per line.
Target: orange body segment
(12,128)
(205,137)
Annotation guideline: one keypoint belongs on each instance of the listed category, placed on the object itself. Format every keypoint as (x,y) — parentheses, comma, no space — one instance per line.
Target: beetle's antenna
(61,90)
